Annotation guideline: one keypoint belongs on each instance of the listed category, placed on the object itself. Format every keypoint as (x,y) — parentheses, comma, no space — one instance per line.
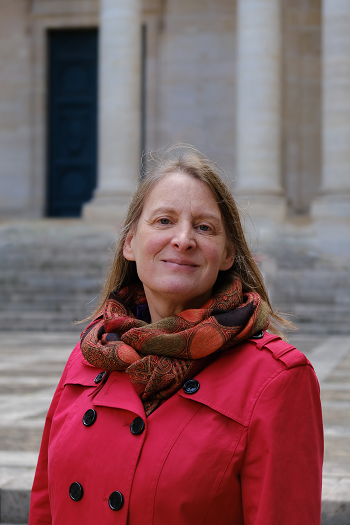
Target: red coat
(246,448)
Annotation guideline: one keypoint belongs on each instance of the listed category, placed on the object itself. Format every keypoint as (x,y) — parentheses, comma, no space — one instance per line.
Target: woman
(178,406)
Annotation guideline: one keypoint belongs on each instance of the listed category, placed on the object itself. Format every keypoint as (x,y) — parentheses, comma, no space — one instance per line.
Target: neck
(160,307)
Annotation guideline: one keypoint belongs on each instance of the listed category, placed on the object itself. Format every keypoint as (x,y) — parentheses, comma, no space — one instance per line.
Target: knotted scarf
(160,357)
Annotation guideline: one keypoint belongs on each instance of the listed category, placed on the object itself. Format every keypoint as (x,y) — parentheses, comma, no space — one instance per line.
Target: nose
(183,238)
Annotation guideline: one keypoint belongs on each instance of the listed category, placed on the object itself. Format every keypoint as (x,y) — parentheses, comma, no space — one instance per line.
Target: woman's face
(179,244)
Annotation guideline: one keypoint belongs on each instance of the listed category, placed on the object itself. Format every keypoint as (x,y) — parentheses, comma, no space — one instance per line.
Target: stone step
(61,289)
(311,287)
(16,478)
(322,328)
(54,278)
(63,292)
(55,267)
(318,318)
(7,268)
(55,310)
(311,312)
(61,254)
(43,320)
(50,273)
(71,305)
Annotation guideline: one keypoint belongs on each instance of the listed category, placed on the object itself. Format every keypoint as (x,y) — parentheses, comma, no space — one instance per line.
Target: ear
(127,248)
(229,259)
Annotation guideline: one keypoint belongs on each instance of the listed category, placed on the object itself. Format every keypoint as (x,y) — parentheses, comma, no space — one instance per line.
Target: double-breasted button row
(137,426)
(191,386)
(115,501)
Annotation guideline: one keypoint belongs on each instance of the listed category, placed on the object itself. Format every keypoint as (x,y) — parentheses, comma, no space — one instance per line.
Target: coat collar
(118,392)
(222,387)
(231,385)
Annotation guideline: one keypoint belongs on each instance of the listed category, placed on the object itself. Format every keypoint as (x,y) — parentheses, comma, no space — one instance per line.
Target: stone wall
(196,78)
(191,78)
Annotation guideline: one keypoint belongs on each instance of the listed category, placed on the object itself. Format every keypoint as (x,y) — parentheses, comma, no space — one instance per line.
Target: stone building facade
(262,86)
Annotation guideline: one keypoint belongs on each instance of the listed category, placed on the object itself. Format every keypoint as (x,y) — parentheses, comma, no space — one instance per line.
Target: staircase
(313,286)
(51,272)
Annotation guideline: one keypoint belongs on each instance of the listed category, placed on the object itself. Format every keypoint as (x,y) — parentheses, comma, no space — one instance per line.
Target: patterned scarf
(160,357)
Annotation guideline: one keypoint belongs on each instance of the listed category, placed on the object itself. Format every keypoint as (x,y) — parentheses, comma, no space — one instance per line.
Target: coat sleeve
(40,513)
(281,475)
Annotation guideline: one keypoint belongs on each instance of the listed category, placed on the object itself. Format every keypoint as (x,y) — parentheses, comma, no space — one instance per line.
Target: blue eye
(164,221)
(204,227)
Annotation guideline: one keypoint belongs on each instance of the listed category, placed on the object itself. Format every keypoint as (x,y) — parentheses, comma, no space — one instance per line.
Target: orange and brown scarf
(160,357)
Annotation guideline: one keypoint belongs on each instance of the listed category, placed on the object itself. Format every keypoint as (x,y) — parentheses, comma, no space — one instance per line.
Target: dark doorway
(72,121)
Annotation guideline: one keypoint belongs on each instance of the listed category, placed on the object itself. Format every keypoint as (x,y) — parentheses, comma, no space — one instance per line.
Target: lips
(180,262)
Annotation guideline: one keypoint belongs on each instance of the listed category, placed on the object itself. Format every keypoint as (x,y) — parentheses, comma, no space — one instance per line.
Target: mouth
(180,263)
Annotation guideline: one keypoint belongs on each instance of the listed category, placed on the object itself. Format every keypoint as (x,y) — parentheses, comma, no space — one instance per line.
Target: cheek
(146,247)
(215,255)
(154,242)
(150,249)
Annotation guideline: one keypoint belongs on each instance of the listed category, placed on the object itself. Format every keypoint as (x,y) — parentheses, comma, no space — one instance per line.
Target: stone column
(334,196)
(119,109)
(259,108)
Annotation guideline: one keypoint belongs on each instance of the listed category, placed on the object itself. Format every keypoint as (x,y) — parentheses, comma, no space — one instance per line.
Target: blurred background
(86,88)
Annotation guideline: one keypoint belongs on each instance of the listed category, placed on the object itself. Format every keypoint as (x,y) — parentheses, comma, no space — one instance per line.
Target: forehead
(177,190)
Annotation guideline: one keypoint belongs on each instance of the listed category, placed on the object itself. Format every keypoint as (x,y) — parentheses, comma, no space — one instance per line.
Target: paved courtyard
(30,368)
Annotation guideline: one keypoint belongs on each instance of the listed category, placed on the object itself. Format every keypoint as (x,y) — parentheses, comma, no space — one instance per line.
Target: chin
(181,293)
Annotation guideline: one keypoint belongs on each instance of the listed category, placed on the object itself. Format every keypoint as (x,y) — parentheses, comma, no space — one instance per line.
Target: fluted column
(119,109)
(334,196)
(259,108)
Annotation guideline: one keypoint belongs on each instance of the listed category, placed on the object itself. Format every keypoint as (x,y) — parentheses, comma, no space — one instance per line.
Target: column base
(331,206)
(107,209)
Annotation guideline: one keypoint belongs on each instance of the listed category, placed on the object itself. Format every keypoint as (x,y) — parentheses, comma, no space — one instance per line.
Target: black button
(116,500)
(89,417)
(191,386)
(76,491)
(137,426)
(99,377)
(258,335)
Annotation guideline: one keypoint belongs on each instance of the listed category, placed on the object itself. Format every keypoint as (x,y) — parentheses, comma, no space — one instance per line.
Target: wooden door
(72,121)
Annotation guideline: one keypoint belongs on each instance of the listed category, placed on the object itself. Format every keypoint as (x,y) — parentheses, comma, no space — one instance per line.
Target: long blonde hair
(186,159)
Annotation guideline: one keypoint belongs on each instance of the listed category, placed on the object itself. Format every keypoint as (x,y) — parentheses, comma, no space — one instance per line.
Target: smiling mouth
(186,264)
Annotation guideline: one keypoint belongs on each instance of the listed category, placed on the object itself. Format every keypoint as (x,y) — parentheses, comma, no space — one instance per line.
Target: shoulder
(234,382)
(267,352)
(78,370)
(271,345)
(261,356)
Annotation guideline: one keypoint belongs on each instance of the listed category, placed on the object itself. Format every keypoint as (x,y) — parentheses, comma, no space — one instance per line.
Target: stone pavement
(30,367)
